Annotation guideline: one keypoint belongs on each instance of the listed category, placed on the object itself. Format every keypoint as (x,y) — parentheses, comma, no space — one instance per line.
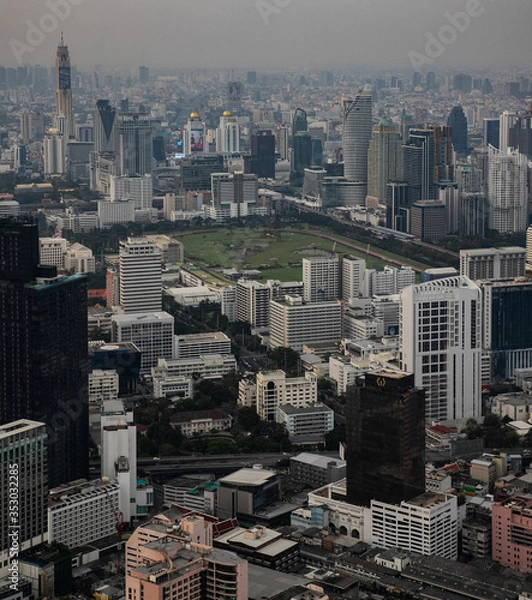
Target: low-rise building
(202,421)
(316,470)
(81,512)
(247,393)
(274,389)
(308,423)
(173,387)
(172,251)
(516,406)
(199,344)
(209,366)
(103,385)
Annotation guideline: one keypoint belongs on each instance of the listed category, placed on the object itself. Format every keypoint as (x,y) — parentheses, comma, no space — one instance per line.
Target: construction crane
(119,526)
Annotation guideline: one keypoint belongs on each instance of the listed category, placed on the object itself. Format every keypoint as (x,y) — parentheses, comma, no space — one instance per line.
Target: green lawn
(278,254)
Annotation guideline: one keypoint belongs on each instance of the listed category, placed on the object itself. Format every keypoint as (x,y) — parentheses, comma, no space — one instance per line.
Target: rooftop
(248,476)
(317,460)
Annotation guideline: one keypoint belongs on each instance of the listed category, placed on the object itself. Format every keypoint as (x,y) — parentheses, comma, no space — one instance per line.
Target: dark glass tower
(385,439)
(458,122)
(299,121)
(43,350)
(261,162)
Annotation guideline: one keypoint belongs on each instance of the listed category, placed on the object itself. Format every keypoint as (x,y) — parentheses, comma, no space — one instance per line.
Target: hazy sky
(266,33)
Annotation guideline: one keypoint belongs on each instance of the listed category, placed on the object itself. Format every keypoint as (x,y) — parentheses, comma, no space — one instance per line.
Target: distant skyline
(279,34)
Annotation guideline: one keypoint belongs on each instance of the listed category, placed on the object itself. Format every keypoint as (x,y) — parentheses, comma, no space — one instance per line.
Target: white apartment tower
(440,342)
(321,279)
(137,188)
(140,276)
(507,190)
(353,270)
(228,134)
(54,151)
(253,303)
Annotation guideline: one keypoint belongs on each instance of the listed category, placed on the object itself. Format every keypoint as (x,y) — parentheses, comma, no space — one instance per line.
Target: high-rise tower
(385,438)
(63,79)
(356,138)
(43,350)
(458,121)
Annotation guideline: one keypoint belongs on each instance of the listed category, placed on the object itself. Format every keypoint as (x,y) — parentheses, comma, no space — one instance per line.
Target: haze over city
(269,33)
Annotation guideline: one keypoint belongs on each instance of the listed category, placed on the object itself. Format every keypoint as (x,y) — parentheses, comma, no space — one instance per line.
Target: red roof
(441,429)
(97,293)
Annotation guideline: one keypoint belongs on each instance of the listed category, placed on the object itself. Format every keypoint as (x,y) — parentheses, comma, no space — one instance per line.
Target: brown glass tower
(385,439)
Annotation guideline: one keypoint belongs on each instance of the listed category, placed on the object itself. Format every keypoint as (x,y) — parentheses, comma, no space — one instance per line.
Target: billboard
(196,140)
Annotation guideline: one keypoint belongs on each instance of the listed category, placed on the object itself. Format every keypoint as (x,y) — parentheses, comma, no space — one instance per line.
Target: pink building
(512,533)
(173,559)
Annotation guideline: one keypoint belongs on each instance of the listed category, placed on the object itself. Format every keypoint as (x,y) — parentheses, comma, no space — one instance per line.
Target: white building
(52,251)
(172,387)
(362,327)
(208,366)
(137,188)
(198,344)
(294,323)
(233,195)
(113,213)
(507,120)
(353,271)
(80,259)
(172,251)
(228,134)
(275,389)
(119,458)
(229,306)
(493,263)
(82,512)
(193,296)
(388,281)
(140,276)
(103,385)
(54,151)
(343,372)
(440,342)
(152,334)
(321,279)
(427,524)
(253,303)
(194,135)
(507,190)
(247,393)
(202,421)
(311,422)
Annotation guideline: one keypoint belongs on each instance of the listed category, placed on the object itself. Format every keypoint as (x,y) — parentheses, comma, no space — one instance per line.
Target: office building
(507,121)
(520,135)
(529,248)
(398,206)
(253,303)
(151,333)
(198,344)
(306,424)
(493,263)
(385,161)
(119,459)
(440,342)
(103,385)
(428,220)
(23,443)
(138,189)
(80,259)
(427,524)
(140,276)
(133,144)
(385,438)
(507,191)
(207,366)
(234,195)
(356,138)
(103,118)
(458,123)
(120,357)
(321,279)
(52,252)
(491,133)
(196,171)
(43,350)
(512,533)
(419,165)
(388,281)
(82,512)
(299,121)
(144,74)
(294,323)
(301,157)
(282,141)
(316,470)
(353,273)
(506,327)
(275,389)
(228,134)
(194,135)
(261,161)
(63,86)
(54,153)
(181,564)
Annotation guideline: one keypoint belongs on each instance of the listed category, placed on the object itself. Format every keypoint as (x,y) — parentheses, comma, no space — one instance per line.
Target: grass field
(277,254)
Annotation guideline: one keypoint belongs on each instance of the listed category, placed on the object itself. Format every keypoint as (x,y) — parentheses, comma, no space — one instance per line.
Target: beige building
(275,389)
(172,251)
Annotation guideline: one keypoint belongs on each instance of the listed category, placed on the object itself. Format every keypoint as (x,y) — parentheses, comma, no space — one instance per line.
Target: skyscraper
(418,165)
(140,276)
(134,144)
(356,138)
(54,151)
(43,350)
(385,161)
(385,438)
(299,121)
(321,279)
(228,134)
(103,118)
(23,443)
(261,162)
(458,121)
(440,342)
(194,133)
(507,190)
(64,87)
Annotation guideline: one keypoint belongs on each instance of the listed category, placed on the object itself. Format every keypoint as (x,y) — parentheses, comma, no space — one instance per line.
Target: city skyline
(194,38)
